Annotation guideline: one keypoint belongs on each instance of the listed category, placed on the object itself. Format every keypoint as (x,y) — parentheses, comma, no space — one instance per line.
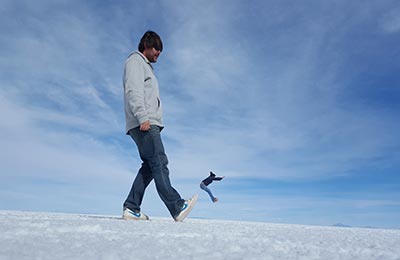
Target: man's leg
(142,180)
(151,150)
(206,189)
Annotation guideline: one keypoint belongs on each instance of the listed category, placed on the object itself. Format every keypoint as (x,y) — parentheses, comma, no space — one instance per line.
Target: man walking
(143,114)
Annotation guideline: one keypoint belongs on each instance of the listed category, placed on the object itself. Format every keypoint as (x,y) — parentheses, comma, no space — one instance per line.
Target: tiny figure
(207,181)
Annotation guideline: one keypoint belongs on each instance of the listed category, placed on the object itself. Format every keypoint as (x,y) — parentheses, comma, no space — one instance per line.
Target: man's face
(151,54)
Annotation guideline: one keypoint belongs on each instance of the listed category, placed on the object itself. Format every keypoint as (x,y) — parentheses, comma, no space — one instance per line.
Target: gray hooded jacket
(141,93)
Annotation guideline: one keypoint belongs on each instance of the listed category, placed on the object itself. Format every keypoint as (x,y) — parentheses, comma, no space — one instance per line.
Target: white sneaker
(187,207)
(130,214)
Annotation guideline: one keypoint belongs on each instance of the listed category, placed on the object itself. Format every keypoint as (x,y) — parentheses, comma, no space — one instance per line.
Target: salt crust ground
(29,235)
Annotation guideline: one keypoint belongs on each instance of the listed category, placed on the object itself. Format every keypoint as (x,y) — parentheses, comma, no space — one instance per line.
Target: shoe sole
(133,218)
(129,217)
(187,211)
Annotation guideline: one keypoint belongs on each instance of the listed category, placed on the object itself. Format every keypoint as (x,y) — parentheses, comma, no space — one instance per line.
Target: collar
(145,59)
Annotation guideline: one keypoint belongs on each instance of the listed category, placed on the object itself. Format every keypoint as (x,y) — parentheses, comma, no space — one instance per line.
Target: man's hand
(145,126)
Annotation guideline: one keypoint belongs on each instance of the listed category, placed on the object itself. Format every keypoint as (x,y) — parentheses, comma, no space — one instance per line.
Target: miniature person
(207,181)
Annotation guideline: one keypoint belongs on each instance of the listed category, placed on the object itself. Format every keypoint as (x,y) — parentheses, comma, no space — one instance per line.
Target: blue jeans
(206,189)
(154,166)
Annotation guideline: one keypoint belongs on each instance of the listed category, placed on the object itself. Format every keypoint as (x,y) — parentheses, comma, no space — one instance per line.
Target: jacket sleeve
(134,89)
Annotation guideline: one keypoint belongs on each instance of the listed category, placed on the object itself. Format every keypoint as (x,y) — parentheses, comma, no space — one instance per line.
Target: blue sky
(297,103)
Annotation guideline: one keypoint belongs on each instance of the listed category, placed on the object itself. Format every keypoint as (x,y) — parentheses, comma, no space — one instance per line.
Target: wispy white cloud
(34,149)
(60,104)
(274,107)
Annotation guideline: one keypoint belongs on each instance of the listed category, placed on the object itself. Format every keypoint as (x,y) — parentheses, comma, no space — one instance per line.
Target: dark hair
(150,39)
